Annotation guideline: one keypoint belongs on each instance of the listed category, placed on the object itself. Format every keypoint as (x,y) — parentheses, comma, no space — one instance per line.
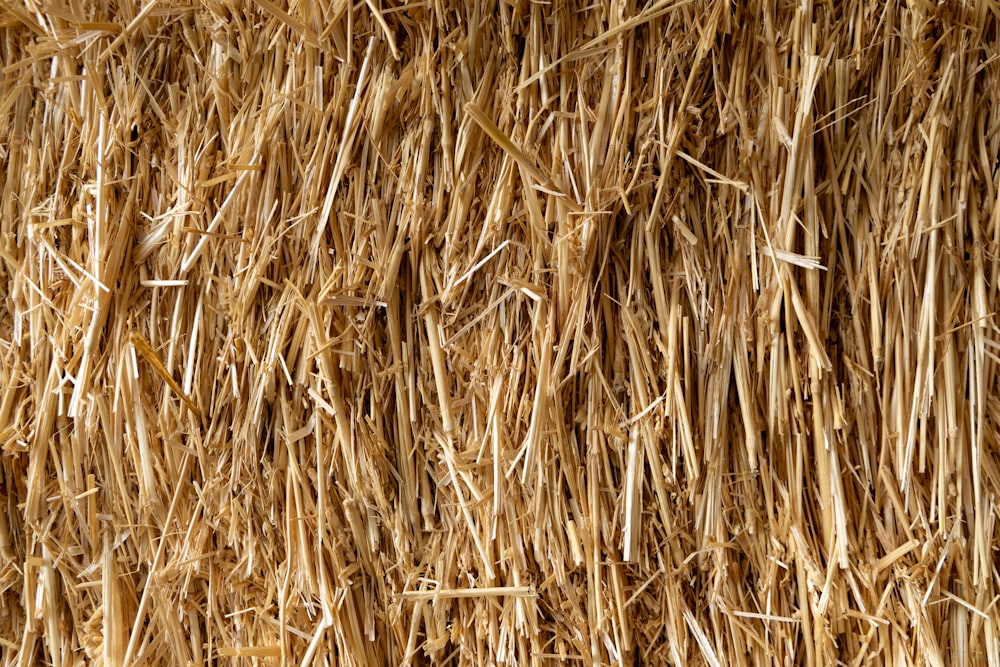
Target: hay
(499,333)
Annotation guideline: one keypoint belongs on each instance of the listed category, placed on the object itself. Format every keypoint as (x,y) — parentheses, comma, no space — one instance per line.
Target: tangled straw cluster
(492,332)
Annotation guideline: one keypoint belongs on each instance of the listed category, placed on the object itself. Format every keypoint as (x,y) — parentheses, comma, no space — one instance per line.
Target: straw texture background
(499,332)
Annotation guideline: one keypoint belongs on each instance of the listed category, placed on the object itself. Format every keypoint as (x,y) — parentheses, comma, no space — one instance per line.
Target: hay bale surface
(486,332)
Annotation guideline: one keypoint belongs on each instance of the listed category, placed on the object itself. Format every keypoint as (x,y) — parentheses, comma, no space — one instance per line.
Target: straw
(499,333)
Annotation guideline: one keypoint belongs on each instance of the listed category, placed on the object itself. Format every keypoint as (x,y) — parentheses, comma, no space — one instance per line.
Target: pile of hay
(499,332)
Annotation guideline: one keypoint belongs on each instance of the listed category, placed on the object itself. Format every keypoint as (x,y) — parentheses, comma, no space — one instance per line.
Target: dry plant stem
(499,333)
